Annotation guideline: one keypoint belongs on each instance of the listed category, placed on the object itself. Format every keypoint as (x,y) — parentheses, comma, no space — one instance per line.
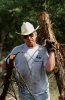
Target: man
(31,62)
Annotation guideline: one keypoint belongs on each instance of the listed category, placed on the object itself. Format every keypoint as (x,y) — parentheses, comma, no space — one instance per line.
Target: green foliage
(14,12)
(57,10)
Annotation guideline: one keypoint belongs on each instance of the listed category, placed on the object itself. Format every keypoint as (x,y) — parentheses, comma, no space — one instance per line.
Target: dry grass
(54,93)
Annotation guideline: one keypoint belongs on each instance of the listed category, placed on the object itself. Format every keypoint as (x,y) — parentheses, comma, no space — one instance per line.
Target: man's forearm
(51,62)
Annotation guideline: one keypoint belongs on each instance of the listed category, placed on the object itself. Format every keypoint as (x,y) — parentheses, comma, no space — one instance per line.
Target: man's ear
(36,34)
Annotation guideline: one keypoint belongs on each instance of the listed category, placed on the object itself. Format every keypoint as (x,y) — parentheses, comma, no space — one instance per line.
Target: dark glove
(50,45)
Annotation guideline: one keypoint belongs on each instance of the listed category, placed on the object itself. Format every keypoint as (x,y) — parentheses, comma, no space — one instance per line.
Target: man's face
(30,39)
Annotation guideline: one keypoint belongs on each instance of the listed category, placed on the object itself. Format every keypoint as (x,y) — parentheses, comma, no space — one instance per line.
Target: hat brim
(31,31)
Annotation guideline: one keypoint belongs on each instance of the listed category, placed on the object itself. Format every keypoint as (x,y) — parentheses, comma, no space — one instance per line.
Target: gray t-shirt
(30,64)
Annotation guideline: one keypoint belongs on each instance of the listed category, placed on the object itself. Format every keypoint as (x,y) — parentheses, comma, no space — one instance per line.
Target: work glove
(50,45)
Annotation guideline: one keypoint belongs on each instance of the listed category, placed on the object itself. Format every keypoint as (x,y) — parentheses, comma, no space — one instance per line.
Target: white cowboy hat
(27,28)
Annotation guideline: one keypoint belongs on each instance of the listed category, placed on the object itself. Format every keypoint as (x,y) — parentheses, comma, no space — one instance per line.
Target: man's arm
(51,62)
(50,46)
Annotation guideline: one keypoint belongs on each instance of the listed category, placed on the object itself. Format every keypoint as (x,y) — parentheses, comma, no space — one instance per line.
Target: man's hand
(50,45)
